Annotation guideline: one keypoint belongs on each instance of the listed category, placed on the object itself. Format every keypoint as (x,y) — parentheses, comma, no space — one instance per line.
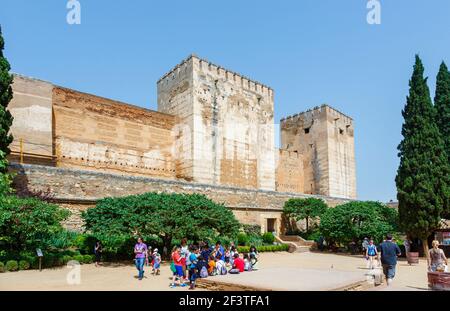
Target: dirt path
(122,277)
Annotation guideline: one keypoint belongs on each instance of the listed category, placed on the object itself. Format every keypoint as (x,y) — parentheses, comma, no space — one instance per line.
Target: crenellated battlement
(226,74)
(315,112)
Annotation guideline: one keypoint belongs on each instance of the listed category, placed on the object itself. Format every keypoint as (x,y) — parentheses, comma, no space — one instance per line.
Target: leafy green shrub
(88,259)
(251,230)
(66,259)
(12,265)
(2,267)
(242,239)
(255,240)
(85,243)
(24,265)
(58,260)
(25,224)
(268,238)
(243,249)
(79,258)
(48,261)
(61,240)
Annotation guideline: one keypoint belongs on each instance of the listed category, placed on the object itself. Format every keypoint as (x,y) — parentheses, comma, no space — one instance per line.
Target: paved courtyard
(278,271)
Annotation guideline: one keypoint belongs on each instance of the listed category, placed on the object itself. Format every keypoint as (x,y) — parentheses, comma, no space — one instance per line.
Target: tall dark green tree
(6,118)
(442,105)
(422,174)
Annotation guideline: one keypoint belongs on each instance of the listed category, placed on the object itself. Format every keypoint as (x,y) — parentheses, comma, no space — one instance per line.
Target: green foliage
(354,221)
(5,179)
(61,240)
(268,238)
(2,267)
(12,265)
(88,259)
(251,230)
(164,216)
(79,258)
(24,265)
(6,118)
(242,239)
(423,175)
(299,209)
(265,248)
(26,224)
(66,259)
(442,104)
(313,235)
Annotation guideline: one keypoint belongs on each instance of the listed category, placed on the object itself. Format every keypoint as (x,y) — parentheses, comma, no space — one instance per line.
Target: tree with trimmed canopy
(167,216)
(353,221)
(307,209)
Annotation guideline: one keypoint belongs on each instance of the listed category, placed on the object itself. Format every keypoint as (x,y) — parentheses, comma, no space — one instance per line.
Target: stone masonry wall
(96,133)
(79,189)
(325,139)
(289,173)
(31,108)
(230,119)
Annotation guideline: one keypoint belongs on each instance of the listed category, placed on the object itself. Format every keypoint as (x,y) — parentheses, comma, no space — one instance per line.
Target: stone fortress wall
(227,124)
(213,127)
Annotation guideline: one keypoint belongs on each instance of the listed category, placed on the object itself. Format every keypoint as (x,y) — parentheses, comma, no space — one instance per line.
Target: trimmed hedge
(88,259)
(12,265)
(79,258)
(24,265)
(266,248)
(268,238)
(2,267)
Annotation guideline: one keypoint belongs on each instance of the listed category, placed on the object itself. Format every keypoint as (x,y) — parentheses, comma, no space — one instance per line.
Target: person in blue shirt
(193,259)
(220,252)
(371,254)
(389,253)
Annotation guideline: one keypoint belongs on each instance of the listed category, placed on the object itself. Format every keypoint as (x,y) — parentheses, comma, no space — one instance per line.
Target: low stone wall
(78,190)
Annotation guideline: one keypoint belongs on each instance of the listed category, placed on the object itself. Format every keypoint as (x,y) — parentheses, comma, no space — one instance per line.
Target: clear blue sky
(310,51)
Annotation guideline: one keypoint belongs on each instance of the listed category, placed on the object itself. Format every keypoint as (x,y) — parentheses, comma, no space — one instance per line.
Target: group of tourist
(388,252)
(192,262)
(200,261)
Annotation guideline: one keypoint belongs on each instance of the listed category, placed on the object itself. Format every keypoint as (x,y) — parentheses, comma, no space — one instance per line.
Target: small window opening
(307,130)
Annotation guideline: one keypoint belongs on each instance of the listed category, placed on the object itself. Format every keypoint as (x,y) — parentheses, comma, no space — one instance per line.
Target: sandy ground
(123,277)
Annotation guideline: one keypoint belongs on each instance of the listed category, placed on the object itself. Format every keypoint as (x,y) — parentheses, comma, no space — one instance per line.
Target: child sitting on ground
(211,265)
(202,267)
(247,264)
(238,265)
(254,258)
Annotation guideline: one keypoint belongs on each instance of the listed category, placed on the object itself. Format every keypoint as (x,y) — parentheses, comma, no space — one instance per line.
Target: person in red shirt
(178,273)
(238,265)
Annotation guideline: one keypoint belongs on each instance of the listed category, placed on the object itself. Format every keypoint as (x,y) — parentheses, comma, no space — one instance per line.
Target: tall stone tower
(325,139)
(226,131)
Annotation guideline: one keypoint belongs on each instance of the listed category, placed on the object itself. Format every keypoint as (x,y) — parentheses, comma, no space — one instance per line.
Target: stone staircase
(298,244)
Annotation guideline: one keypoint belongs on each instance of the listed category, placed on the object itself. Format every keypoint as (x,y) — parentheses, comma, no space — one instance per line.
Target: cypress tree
(421,176)
(442,105)
(6,95)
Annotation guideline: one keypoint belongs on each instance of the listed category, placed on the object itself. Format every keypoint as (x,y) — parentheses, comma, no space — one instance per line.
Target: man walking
(389,253)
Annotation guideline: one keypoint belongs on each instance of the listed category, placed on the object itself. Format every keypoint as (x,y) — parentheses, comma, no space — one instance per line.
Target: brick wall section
(79,189)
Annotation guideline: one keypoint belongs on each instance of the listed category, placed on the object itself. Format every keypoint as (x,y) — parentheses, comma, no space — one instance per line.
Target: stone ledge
(190,185)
